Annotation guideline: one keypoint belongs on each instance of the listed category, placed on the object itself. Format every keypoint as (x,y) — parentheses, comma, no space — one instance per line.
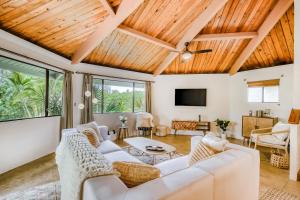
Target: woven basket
(280,160)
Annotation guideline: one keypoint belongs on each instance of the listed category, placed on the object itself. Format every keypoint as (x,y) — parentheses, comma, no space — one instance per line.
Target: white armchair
(144,122)
(276,137)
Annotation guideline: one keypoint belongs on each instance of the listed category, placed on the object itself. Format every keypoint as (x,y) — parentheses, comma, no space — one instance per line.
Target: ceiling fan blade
(176,51)
(202,51)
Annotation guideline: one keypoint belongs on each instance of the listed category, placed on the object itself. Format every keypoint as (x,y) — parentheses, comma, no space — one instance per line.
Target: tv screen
(190,97)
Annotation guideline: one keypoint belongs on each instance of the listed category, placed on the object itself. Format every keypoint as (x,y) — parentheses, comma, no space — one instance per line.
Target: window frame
(263,95)
(103,99)
(46,102)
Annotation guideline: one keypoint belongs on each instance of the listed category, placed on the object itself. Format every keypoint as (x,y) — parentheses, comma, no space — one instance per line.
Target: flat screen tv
(190,97)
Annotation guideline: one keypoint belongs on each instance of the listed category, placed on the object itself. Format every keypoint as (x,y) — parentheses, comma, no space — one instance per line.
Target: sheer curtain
(148,96)
(87,112)
(67,118)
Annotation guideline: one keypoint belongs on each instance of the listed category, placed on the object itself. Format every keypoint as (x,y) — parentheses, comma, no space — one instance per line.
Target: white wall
(164,108)
(226,98)
(238,94)
(25,140)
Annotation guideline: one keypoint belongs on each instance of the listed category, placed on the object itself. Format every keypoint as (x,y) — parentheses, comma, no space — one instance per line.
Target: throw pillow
(214,142)
(133,174)
(281,127)
(91,136)
(145,122)
(200,152)
(92,125)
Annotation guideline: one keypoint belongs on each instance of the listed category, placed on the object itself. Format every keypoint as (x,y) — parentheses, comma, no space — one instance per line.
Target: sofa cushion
(120,156)
(271,139)
(108,146)
(281,127)
(135,173)
(173,165)
(188,184)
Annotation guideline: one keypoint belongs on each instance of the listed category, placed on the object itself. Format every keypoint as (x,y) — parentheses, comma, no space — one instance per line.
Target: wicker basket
(280,160)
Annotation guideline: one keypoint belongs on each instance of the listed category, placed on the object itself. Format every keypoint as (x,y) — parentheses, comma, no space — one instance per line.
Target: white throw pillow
(281,127)
(214,142)
(92,125)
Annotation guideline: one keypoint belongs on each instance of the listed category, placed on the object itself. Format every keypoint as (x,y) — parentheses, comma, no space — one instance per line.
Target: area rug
(277,194)
(51,191)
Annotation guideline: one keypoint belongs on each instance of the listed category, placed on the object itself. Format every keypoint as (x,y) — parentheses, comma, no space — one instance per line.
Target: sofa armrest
(104,187)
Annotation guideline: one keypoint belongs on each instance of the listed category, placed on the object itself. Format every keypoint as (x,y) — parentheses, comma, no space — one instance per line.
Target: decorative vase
(123,123)
(223,135)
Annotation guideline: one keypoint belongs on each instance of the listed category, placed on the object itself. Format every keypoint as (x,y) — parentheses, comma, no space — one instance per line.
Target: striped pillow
(200,152)
(91,135)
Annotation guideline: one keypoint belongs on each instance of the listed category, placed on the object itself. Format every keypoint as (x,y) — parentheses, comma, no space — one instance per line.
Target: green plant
(222,124)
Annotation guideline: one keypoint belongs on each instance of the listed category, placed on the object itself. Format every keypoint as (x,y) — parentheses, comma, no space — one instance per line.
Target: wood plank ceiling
(61,26)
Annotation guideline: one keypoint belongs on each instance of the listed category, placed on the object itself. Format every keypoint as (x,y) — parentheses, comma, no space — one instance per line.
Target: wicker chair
(266,137)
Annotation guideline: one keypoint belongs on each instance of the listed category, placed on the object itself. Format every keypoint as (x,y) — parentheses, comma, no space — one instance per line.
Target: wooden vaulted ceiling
(62,26)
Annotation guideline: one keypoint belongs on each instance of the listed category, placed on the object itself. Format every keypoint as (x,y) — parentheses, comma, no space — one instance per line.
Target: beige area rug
(277,194)
(51,191)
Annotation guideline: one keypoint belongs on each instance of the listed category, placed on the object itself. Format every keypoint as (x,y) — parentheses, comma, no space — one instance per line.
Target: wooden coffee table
(140,143)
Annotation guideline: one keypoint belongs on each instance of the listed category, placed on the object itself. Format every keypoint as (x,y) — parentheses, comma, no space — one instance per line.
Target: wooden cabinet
(190,125)
(250,123)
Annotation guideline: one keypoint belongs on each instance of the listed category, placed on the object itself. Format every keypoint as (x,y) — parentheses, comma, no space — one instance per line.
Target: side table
(123,132)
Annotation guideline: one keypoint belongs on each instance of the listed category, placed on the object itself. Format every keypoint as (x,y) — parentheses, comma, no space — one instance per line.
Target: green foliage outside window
(118,96)
(23,91)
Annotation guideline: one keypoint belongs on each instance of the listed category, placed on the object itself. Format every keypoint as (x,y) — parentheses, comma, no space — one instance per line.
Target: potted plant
(223,125)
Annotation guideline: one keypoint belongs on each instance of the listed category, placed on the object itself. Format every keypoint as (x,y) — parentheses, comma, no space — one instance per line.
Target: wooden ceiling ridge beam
(226,36)
(278,11)
(197,25)
(145,37)
(105,28)
(108,7)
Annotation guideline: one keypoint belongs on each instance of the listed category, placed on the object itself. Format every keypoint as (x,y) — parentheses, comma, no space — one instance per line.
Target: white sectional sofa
(230,175)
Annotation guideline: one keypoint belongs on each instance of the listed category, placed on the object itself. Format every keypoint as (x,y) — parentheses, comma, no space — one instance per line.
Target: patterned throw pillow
(91,135)
(200,152)
(92,125)
(133,174)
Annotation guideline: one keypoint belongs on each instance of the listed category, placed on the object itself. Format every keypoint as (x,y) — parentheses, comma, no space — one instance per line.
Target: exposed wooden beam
(105,28)
(108,7)
(197,25)
(145,37)
(226,36)
(278,11)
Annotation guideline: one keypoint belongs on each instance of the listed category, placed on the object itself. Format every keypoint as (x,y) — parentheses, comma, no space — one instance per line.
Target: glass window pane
(97,95)
(271,94)
(22,90)
(56,81)
(118,96)
(255,94)
(139,97)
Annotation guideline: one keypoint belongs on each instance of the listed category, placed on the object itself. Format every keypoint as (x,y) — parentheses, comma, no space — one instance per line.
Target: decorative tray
(154,148)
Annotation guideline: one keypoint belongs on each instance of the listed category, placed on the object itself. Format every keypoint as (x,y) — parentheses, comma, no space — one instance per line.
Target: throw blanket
(77,160)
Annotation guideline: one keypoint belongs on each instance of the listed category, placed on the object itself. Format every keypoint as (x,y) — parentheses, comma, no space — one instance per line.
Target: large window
(118,96)
(28,91)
